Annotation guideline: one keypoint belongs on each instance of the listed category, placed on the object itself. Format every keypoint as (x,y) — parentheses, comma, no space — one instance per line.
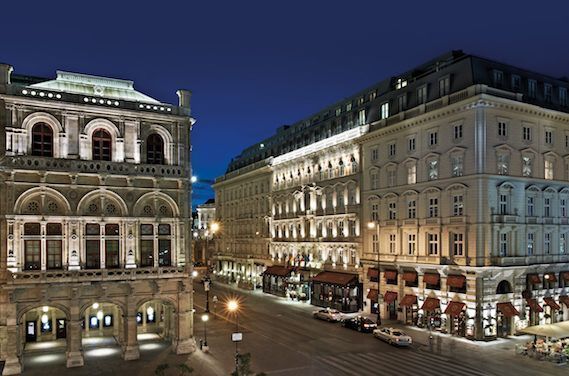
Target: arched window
(154,149)
(42,140)
(504,287)
(102,149)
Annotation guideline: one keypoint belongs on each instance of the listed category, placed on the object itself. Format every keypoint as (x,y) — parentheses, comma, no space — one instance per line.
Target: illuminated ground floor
(476,303)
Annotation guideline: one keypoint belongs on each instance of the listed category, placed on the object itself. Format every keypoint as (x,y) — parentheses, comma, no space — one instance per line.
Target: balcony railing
(27,162)
(100,275)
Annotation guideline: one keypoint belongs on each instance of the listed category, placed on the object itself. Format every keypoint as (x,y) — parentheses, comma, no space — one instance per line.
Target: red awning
(507,309)
(454,308)
(532,303)
(279,271)
(456,281)
(389,297)
(409,276)
(334,278)
(550,277)
(431,278)
(390,274)
(431,304)
(565,300)
(372,295)
(534,279)
(408,300)
(372,273)
(565,276)
(552,303)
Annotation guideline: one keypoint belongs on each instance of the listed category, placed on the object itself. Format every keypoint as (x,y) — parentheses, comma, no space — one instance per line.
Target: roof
(85,84)
(279,271)
(334,278)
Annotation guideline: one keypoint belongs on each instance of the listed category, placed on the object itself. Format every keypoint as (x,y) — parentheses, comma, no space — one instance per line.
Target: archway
(156,324)
(102,324)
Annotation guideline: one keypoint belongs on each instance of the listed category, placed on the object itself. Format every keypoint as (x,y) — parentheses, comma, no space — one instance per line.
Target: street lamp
(372,225)
(205,317)
(233,307)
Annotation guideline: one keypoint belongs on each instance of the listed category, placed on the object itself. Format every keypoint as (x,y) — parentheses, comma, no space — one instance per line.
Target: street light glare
(194,273)
(371,225)
(232,305)
(205,317)
(214,227)
(194,179)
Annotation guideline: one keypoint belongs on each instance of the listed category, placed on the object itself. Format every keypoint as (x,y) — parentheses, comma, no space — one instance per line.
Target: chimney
(5,73)
(184,98)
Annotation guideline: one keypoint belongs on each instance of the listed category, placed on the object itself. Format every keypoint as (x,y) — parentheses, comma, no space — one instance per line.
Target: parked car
(359,323)
(327,314)
(393,336)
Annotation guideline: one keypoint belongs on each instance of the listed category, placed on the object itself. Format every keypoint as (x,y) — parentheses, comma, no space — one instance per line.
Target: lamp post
(233,307)
(205,317)
(372,225)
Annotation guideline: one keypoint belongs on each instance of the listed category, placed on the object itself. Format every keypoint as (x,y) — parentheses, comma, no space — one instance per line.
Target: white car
(393,336)
(328,314)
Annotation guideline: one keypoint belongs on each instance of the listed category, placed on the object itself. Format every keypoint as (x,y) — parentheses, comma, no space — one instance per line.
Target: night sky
(256,65)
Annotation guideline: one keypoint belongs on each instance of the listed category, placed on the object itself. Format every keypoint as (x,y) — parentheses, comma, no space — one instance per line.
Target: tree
(244,366)
(180,369)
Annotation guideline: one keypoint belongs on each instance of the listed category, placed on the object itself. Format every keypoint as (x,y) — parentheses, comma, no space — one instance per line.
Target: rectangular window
(411,244)
(548,169)
(384,111)
(147,253)
(502,129)
(375,243)
(516,82)
(164,252)
(391,150)
(53,229)
(530,211)
(392,210)
(433,242)
(527,134)
(444,86)
(361,116)
(93,254)
(112,229)
(549,137)
(433,207)
(547,243)
(457,205)
(392,244)
(532,88)
(563,207)
(374,154)
(547,92)
(54,258)
(458,244)
(530,243)
(503,245)
(147,229)
(547,207)
(375,212)
(412,174)
(503,204)
(374,177)
(562,243)
(412,209)
(111,254)
(498,78)
(402,102)
(92,229)
(433,138)
(391,177)
(457,165)
(563,96)
(411,144)
(32,254)
(457,132)
(422,94)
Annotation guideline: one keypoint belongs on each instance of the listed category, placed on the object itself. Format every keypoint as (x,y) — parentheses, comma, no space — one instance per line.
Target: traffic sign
(236,337)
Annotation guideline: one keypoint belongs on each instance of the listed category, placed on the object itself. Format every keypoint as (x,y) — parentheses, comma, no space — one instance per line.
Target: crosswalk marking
(401,362)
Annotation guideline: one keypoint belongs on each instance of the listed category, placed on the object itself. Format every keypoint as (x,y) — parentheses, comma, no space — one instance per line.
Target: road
(284,339)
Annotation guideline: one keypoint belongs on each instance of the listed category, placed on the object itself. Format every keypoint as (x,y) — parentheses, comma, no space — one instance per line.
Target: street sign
(206,285)
(236,337)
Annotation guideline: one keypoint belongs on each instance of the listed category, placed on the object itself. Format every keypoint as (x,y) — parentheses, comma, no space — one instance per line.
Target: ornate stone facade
(95,228)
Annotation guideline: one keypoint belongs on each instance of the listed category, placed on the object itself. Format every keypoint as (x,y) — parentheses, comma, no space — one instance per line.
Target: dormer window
(400,83)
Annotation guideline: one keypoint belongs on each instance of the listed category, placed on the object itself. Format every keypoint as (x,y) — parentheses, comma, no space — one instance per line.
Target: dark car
(360,323)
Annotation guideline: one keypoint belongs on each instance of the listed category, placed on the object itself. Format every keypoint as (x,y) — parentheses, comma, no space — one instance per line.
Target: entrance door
(392,311)
(61,330)
(31,331)
(504,326)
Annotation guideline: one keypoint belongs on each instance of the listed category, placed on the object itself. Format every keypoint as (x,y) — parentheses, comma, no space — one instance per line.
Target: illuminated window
(400,83)
(548,169)
(384,111)
(433,169)
(93,322)
(107,321)
(457,165)
(527,165)
(503,163)
(530,243)
(412,174)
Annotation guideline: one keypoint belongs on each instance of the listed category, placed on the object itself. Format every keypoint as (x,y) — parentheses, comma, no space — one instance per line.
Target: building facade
(95,227)
(204,231)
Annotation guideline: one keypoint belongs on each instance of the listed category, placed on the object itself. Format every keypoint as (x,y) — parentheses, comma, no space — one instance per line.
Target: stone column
(74,352)
(130,341)
(183,341)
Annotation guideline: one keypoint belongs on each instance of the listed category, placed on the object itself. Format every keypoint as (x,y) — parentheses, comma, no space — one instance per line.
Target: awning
(454,308)
(431,278)
(279,271)
(565,276)
(456,281)
(372,295)
(557,330)
(372,273)
(335,278)
(431,304)
(408,300)
(534,279)
(409,276)
(389,297)
(390,274)
(550,277)
(507,309)
(532,303)
(565,300)
(552,303)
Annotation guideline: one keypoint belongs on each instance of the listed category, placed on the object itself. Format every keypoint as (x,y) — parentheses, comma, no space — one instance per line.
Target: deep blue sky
(255,65)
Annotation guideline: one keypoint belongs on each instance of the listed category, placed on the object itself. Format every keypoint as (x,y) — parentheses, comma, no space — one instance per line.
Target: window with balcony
(503,244)
(42,140)
(155,149)
(32,246)
(102,145)
(503,204)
